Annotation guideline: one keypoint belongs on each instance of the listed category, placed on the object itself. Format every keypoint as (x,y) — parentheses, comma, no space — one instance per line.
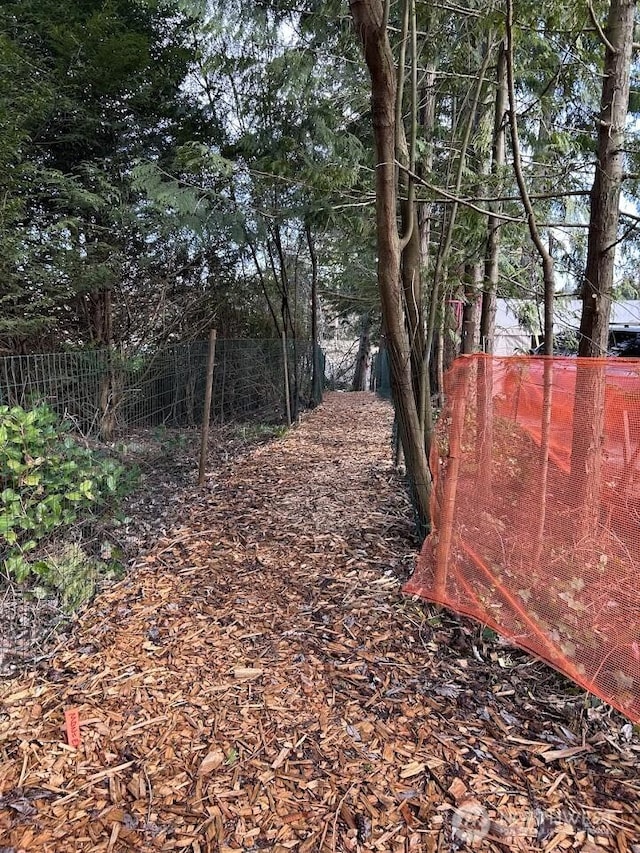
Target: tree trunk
(492,256)
(453,317)
(438,294)
(605,193)
(316,369)
(541,247)
(490,285)
(406,155)
(371,23)
(362,360)
(588,416)
(100,316)
(470,313)
(427,123)
(412,286)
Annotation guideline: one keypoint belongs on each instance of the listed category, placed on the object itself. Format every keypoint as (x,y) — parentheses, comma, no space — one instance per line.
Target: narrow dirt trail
(259,683)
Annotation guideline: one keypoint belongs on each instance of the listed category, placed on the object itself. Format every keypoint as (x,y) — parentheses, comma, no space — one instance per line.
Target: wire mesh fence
(249,380)
(71,424)
(107,395)
(382,374)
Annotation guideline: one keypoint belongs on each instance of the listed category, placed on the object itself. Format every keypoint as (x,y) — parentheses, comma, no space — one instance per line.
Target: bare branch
(603,38)
(545,256)
(451,197)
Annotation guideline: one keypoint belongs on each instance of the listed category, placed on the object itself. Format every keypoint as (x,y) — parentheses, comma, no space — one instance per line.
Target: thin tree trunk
(545,256)
(490,286)
(545,438)
(605,194)
(549,286)
(362,359)
(437,293)
(263,283)
(453,317)
(281,279)
(439,338)
(492,256)
(410,243)
(428,118)
(470,313)
(316,355)
(370,18)
(456,431)
(412,286)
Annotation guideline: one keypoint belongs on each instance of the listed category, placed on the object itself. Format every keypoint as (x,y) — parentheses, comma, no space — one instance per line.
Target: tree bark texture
(492,255)
(412,286)
(605,194)
(589,405)
(369,17)
(316,371)
(490,284)
(425,210)
(470,314)
(362,359)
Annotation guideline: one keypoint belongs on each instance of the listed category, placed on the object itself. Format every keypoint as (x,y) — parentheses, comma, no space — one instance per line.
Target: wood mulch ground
(259,682)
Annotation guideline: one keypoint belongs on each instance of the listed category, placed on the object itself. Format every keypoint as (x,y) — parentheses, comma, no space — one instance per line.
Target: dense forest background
(165,166)
(169,165)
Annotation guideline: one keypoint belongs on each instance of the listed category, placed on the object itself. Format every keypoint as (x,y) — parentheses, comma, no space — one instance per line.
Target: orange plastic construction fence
(536,508)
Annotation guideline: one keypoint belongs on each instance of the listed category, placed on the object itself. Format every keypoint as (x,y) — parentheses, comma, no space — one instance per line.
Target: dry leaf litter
(259,682)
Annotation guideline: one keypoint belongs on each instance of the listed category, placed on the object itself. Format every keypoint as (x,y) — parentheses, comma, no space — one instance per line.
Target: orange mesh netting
(536,508)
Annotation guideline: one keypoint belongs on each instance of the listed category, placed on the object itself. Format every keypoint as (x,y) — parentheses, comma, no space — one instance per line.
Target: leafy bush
(47,482)
(71,573)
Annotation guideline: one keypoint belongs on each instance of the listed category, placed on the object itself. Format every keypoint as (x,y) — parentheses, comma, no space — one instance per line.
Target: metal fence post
(206,414)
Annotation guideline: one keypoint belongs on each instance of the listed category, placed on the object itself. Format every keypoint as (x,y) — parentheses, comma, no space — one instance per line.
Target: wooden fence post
(286,377)
(206,414)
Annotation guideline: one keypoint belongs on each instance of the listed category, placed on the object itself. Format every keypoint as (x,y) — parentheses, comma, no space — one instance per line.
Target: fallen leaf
(211,762)
(412,769)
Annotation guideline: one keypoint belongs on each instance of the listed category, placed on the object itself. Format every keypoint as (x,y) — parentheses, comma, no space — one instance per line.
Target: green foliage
(258,432)
(48,482)
(170,440)
(87,89)
(70,572)
(172,153)
(528,317)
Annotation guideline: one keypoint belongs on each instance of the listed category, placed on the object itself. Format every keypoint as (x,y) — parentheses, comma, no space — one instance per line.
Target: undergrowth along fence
(108,395)
(59,517)
(536,508)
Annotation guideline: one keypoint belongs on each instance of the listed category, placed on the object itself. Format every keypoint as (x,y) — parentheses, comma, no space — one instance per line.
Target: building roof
(511,314)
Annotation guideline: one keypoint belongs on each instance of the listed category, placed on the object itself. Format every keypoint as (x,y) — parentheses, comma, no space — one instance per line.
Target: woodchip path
(258,682)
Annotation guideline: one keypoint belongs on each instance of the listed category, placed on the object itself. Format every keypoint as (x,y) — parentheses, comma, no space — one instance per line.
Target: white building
(519,321)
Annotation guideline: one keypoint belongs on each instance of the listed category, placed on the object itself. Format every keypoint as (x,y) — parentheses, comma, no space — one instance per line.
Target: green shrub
(47,482)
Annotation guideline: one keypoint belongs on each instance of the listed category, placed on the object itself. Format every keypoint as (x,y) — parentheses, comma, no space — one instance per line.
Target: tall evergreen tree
(107,80)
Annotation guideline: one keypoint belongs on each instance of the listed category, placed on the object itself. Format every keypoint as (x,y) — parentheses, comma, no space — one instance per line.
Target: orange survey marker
(536,510)
(72,721)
